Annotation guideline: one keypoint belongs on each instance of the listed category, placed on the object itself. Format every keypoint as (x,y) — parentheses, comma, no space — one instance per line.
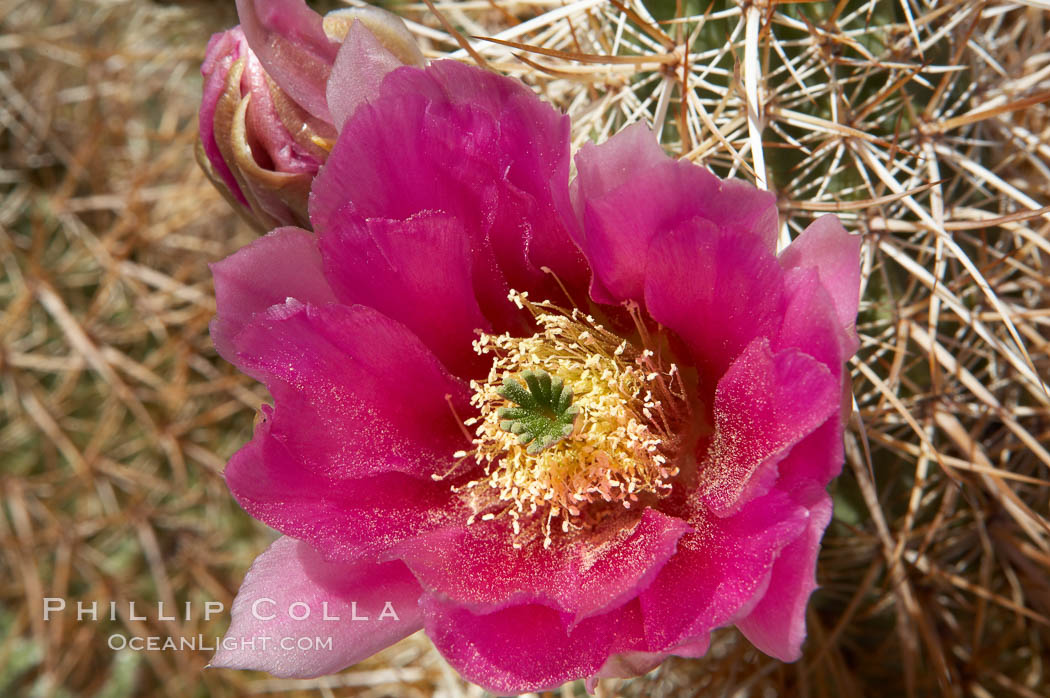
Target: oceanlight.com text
(157,643)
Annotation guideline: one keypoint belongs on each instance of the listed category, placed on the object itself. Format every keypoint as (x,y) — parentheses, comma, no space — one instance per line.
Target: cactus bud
(278,88)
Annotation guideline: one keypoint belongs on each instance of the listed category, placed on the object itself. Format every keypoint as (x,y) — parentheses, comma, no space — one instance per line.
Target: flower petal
(344,518)
(810,322)
(628,191)
(472,144)
(815,459)
(826,247)
(527,648)
(289,39)
(717,290)
(608,167)
(764,404)
(387,28)
(283,264)
(289,580)
(359,68)
(777,624)
(477,568)
(719,572)
(355,392)
(416,271)
(625,666)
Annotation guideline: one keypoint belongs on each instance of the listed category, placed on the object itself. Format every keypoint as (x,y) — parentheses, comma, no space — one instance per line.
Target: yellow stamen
(621,445)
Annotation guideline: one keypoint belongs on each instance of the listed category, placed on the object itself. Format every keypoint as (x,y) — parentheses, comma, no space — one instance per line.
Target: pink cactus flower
(567,430)
(267,119)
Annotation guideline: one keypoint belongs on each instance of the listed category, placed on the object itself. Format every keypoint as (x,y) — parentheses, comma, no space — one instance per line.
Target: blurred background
(924,125)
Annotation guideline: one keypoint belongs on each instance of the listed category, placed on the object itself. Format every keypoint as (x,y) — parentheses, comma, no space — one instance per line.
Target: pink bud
(276,91)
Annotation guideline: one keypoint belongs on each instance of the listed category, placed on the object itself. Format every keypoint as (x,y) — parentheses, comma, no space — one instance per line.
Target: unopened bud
(257,145)
(266,126)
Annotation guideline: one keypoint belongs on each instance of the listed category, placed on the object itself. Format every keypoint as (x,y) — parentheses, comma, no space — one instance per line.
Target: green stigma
(544,414)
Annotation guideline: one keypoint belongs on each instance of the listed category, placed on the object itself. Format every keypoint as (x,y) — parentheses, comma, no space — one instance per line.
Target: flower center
(571,418)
